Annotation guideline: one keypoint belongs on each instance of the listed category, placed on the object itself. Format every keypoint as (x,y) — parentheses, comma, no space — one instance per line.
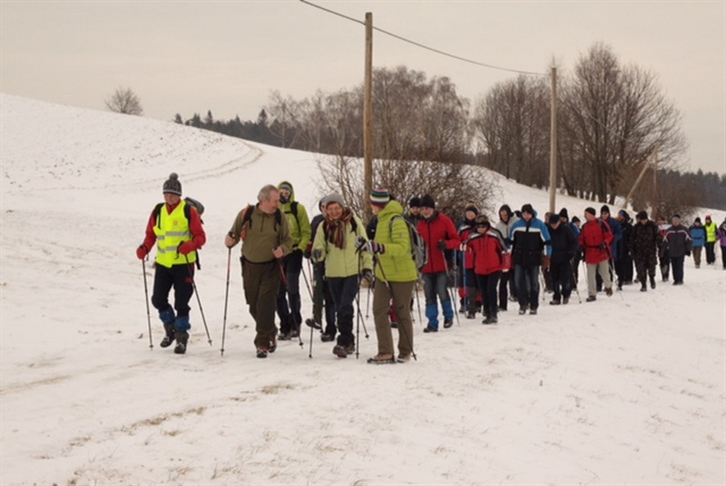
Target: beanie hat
(380,196)
(575,219)
(482,219)
(642,215)
(472,208)
(172,185)
(428,202)
(415,202)
(564,214)
(334,198)
(624,214)
(590,210)
(676,216)
(708,217)
(605,209)
(554,219)
(697,220)
(527,208)
(323,202)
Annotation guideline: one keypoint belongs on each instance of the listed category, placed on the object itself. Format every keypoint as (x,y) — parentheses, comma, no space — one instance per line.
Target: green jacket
(397,262)
(300,229)
(347,261)
(263,234)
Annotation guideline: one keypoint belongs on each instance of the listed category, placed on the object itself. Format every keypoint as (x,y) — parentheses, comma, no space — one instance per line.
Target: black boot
(652,281)
(169,338)
(181,342)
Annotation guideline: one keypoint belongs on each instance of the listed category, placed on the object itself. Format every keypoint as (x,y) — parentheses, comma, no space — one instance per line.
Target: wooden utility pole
(368,118)
(553,141)
(637,181)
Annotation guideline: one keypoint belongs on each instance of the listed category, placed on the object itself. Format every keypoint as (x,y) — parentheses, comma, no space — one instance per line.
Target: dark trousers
(507,277)
(677,265)
(645,268)
(561,279)
(527,279)
(711,252)
(344,291)
(290,317)
(323,299)
(488,288)
(180,278)
(261,283)
(624,269)
(723,256)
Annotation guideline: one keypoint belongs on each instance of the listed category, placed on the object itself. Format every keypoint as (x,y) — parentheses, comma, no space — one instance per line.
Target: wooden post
(553,141)
(637,181)
(368,119)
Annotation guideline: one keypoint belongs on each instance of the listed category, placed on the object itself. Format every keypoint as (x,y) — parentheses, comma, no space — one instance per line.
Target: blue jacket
(698,235)
(528,241)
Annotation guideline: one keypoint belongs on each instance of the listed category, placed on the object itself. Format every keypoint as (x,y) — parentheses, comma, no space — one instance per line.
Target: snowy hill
(626,390)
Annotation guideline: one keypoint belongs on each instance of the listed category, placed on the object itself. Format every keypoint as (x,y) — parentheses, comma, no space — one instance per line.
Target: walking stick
(450,290)
(196,292)
(148,312)
(226,299)
(574,282)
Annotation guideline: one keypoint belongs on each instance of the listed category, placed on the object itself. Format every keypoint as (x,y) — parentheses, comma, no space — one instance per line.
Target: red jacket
(438,228)
(592,236)
(487,249)
(466,230)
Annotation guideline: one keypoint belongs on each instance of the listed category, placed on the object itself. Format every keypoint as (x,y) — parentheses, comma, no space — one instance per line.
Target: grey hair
(266,191)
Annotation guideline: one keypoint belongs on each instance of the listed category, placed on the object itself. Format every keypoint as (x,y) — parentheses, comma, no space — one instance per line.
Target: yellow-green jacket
(396,263)
(298,220)
(347,261)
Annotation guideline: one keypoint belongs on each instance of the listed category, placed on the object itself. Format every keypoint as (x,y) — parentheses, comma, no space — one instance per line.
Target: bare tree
(124,100)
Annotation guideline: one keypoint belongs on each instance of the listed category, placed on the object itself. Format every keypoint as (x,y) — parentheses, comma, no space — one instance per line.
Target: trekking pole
(196,292)
(450,290)
(418,303)
(307,284)
(368,302)
(148,312)
(611,264)
(226,299)
(310,353)
(574,284)
(393,298)
(463,281)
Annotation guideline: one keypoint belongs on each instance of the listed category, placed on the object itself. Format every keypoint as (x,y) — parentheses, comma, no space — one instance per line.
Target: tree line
(612,120)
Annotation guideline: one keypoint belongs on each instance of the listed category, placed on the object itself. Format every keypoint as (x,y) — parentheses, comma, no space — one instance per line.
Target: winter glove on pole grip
(441,245)
(141,252)
(187,247)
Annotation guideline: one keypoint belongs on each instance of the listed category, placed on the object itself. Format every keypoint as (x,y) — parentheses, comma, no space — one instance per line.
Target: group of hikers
(491,263)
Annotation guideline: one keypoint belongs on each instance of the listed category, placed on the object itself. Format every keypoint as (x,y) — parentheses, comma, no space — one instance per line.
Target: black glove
(376,247)
(441,245)
(317,254)
(367,274)
(602,246)
(361,244)
(307,255)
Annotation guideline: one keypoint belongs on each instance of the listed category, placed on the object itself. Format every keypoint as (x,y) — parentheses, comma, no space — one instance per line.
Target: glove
(317,254)
(308,249)
(376,247)
(187,247)
(141,252)
(441,245)
(361,244)
(367,274)
(602,246)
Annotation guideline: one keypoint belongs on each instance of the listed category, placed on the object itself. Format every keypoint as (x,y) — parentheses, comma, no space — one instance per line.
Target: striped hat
(380,196)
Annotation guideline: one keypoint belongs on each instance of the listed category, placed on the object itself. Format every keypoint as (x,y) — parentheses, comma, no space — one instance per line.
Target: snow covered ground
(626,390)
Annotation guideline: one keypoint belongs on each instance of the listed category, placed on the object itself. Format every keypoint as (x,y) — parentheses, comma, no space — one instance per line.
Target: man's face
(270,204)
(415,210)
(427,212)
(284,195)
(589,216)
(526,216)
(556,225)
(171,199)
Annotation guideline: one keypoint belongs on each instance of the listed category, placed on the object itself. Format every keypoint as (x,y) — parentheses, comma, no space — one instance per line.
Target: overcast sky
(227,56)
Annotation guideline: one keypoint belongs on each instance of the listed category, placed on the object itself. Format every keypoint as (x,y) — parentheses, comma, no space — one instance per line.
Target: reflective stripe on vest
(171,231)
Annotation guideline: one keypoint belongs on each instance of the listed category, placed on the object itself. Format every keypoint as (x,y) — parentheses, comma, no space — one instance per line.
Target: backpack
(190,203)
(247,219)
(418,245)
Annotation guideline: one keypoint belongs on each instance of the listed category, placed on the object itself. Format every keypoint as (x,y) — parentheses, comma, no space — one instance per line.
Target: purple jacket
(722,234)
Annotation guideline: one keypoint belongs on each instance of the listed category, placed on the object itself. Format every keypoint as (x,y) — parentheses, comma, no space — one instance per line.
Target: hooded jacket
(433,230)
(396,264)
(300,229)
(505,228)
(487,249)
(529,240)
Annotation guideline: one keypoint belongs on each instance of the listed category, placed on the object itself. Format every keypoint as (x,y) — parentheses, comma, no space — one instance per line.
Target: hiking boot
(565,300)
(643,288)
(652,282)
(382,359)
(512,298)
(181,342)
(403,358)
(350,349)
(554,302)
(284,336)
(471,315)
(522,310)
(430,329)
(489,320)
(609,291)
(533,312)
(294,334)
(448,323)
(340,351)
(394,325)
(313,324)
(273,345)
(591,298)
(261,352)
(503,308)
(326,338)
(169,338)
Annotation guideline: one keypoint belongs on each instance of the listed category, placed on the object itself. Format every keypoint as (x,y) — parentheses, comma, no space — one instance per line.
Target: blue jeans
(527,282)
(435,284)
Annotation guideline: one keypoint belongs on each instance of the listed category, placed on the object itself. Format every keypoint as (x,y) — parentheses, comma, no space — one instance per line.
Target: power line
(417,44)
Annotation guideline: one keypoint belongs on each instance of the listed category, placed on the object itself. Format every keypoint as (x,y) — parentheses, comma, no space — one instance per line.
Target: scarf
(335,228)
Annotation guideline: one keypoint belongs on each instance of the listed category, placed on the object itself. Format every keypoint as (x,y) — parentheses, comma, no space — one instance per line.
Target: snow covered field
(626,390)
